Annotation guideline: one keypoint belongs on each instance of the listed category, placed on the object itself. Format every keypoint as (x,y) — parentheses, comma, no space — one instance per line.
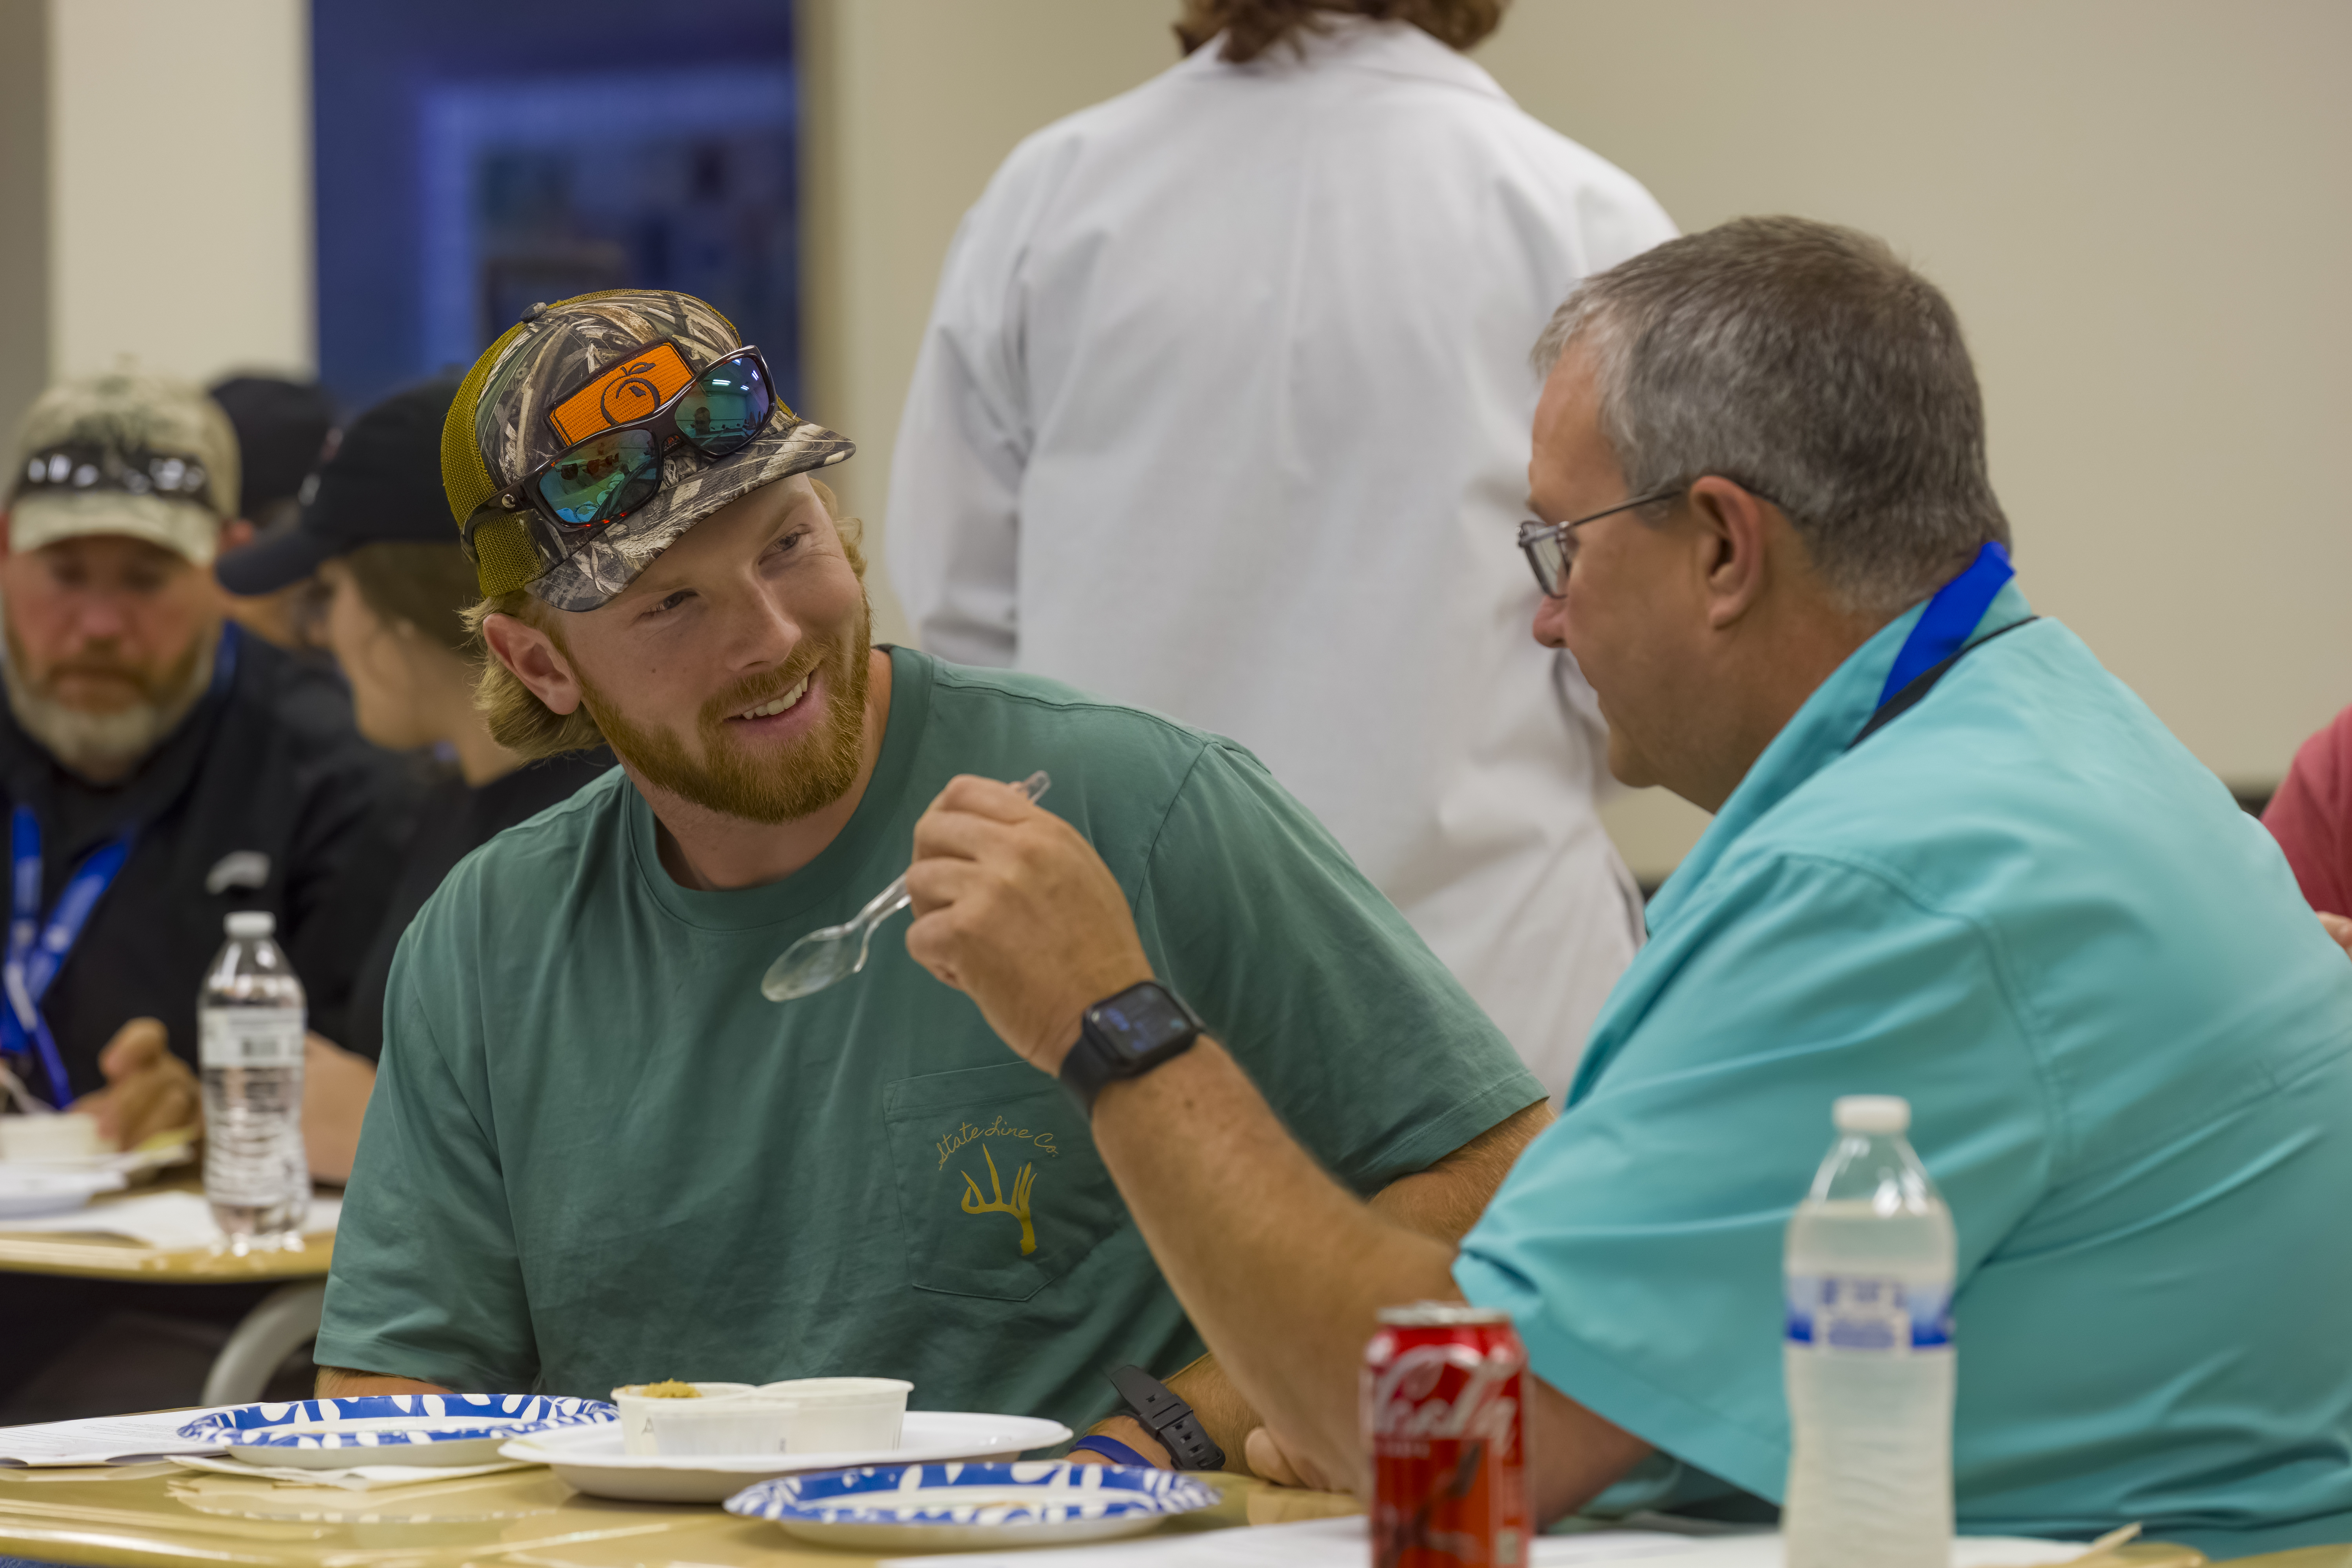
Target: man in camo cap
(639,1167)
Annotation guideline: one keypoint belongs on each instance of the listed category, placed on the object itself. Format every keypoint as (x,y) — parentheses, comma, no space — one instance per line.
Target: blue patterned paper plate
(389,1428)
(947,1505)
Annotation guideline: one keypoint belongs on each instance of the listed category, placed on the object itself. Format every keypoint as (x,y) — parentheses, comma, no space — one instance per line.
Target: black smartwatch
(1127,1036)
(1167,1417)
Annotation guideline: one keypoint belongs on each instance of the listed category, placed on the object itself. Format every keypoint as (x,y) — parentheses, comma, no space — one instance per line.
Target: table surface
(116,1258)
(144,1516)
(140,1516)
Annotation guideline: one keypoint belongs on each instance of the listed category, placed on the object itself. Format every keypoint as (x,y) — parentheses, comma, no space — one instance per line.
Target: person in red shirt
(2311,816)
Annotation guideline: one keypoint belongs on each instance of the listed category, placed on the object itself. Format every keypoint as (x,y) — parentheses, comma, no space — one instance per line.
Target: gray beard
(103,748)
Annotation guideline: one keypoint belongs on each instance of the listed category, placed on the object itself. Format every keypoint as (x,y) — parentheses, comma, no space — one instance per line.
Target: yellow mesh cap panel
(504,558)
(465,477)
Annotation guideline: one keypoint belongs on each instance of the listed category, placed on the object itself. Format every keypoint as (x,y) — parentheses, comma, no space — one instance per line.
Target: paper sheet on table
(357,1479)
(105,1440)
(166,1220)
(1340,1543)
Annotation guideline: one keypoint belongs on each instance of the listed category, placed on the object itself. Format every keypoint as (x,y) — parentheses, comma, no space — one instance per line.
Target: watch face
(1142,1020)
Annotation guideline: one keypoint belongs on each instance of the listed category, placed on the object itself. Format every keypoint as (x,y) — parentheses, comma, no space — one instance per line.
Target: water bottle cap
(252,922)
(1879,1113)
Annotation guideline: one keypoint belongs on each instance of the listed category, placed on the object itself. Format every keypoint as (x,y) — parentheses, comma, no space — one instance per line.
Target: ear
(532,657)
(1736,527)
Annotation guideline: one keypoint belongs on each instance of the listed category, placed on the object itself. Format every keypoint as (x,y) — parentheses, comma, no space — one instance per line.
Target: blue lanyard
(1940,638)
(37,951)
(1951,616)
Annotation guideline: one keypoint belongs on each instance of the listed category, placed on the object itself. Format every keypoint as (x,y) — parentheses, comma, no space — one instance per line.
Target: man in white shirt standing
(1223,411)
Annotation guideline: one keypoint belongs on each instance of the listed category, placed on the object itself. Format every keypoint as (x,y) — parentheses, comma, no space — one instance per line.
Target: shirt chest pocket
(1000,1188)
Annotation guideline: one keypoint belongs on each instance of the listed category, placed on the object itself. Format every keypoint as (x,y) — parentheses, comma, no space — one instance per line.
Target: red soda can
(1444,1402)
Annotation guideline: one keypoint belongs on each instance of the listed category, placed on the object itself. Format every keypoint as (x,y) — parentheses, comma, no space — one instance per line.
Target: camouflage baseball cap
(523,403)
(124,453)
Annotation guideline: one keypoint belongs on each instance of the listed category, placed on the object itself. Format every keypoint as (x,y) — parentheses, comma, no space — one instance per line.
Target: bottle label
(249,1037)
(1867,1312)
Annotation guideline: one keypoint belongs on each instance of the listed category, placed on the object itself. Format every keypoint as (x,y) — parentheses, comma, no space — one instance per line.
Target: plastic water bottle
(1869,1355)
(250,1020)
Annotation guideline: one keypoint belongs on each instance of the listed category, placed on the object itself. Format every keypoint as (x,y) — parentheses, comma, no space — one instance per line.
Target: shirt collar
(1361,43)
(1817,736)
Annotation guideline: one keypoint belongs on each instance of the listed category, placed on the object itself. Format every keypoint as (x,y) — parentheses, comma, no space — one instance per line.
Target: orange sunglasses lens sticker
(628,391)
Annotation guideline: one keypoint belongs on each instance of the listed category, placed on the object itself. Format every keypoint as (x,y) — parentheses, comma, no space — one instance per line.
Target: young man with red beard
(597,1155)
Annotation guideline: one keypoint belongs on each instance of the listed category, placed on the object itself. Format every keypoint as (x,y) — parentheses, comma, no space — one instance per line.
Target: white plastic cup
(709,1428)
(637,1411)
(70,1137)
(840,1414)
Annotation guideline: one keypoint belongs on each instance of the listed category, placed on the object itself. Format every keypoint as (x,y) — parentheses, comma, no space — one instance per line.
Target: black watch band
(1168,1418)
(1125,1036)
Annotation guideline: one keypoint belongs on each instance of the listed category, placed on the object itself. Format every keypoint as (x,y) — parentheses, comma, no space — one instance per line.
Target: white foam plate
(28,1190)
(589,1458)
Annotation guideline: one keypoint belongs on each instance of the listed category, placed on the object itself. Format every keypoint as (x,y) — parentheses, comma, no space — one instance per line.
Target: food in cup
(638,1404)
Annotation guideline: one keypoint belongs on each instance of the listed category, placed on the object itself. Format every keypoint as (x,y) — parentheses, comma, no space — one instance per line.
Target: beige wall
(908,108)
(25,197)
(2139,207)
(178,209)
(2136,204)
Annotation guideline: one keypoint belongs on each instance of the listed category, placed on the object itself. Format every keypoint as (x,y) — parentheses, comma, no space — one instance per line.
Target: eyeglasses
(638,411)
(75,467)
(1549,548)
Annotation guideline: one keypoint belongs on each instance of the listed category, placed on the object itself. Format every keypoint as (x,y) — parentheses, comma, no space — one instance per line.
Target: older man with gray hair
(1953,859)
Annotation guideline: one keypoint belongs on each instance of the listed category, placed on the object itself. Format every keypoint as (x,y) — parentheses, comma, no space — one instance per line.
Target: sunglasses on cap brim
(77,468)
(604,477)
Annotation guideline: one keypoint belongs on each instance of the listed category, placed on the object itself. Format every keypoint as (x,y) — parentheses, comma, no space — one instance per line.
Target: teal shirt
(2128,1045)
(596,1155)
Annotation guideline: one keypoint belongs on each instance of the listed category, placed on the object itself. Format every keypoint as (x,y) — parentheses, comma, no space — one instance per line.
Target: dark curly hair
(1253,26)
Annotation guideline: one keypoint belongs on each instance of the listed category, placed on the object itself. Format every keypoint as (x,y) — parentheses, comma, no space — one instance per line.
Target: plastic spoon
(836,953)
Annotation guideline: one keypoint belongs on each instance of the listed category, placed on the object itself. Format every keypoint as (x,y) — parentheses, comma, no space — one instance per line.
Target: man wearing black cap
(285,429)
(375,533)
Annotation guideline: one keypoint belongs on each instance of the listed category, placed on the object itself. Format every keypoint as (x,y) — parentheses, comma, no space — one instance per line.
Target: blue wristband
(1111,1448)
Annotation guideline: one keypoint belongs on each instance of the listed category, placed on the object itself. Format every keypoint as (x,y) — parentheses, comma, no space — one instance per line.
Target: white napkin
(357,1479)
(166,1220)
(103,1439)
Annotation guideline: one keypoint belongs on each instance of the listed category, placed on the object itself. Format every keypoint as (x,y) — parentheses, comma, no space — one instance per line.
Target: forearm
(1281,1269)
(1444,1201)
(341,1383)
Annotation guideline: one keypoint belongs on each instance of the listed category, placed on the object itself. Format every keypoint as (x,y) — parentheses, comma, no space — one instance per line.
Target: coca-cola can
(1444,1402)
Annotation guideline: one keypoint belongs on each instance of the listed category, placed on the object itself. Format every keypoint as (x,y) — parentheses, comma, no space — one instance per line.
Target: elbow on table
(342,1382)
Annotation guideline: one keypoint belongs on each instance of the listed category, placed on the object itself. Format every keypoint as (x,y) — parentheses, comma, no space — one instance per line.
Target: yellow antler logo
(1022,1182)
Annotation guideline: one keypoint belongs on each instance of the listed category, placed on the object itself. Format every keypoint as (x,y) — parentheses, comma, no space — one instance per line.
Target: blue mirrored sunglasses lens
(726,406)
(615,473)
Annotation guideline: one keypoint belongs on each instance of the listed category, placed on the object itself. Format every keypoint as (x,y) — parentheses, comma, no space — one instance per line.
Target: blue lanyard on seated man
(34,961)
(1939,640)
(38,949)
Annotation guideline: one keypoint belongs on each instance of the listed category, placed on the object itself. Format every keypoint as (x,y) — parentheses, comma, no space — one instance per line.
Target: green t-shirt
(596,1155)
